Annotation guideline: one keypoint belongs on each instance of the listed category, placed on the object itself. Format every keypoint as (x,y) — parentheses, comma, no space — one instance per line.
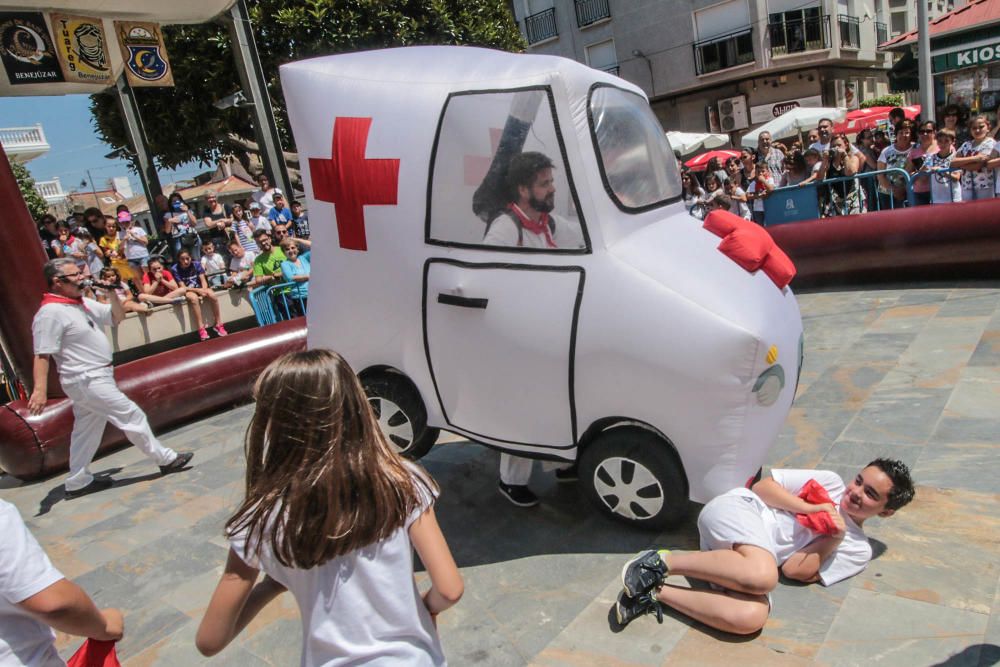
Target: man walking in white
(69,329)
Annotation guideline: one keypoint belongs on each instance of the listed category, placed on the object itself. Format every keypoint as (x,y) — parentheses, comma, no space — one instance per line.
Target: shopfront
(969,75)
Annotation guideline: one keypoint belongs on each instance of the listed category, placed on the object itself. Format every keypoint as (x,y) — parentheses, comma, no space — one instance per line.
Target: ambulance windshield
(637,165)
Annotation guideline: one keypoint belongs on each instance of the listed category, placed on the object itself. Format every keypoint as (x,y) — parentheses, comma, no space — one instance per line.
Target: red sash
(539,228)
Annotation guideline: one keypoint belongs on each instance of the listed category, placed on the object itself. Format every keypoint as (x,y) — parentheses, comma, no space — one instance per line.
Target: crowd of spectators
(258,241)
(949,161)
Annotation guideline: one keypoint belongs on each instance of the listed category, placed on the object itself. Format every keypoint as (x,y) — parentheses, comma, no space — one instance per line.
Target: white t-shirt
(943,189)
(75,338)
(360,608)
(853,552)
(214,263)
(893,158)
(742,209)
(243,263)
(133,249)
(25,570)
(979,184)
(503,232)
(265,199)
(261,223)
(758,204)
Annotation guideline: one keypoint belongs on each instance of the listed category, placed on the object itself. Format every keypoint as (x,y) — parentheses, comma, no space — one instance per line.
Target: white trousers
(516,470)
(97,401)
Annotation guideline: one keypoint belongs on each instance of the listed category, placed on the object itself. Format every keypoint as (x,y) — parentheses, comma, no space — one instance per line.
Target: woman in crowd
(796,169)
(179,224)
(715,167)
(748,159)
(332,513)
(159,286)
(691,190)
(218,220)
(868,161)
(953,118)
(295,269)
(926,145)
(972,157)
(892,187)
(734,172)
(842,197)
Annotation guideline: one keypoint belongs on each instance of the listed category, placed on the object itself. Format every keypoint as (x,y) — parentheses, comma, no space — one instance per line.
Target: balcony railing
(591,11)
(797,36)
(850,31)
(723,52)
(24,143)
(881,33)
(540,26)
(51,191)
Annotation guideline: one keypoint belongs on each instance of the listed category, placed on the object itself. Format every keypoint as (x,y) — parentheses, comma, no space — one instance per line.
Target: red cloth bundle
(749,245)
(94,653)
(821,522)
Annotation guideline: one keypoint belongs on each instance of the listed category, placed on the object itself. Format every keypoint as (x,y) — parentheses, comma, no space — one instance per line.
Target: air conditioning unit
(733,113)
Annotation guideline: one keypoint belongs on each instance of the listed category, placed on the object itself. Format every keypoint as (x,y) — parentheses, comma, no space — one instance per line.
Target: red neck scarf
(541,227)
(49,297)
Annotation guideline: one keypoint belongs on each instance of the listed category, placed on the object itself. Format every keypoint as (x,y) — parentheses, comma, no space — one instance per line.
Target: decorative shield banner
(83,49)
(146,62)
(26,49)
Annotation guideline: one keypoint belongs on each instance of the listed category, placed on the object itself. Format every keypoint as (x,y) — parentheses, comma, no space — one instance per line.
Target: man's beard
(543,205)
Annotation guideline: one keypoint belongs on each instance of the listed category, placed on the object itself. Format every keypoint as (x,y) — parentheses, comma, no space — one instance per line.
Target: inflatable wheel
(400,412)
(633,475)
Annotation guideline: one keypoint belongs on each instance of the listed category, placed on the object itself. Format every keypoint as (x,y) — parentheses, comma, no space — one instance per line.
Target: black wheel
(633,475)
(400,412)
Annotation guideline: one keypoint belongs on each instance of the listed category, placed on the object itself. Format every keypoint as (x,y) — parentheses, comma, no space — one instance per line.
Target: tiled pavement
(912,373)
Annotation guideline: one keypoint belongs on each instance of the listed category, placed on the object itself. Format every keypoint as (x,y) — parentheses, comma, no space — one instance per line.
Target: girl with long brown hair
(332,513)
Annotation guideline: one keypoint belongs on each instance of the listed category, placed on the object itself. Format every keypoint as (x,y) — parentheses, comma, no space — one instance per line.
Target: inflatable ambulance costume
(634,345)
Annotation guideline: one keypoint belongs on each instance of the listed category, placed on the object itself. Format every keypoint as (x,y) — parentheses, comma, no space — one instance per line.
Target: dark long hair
(321,479)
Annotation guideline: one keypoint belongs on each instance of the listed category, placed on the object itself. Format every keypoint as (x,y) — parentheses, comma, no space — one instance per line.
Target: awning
(686,143)
(904,75)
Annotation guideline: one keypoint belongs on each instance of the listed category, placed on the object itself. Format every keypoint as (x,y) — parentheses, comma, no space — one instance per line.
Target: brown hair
(321,479)
(287,243)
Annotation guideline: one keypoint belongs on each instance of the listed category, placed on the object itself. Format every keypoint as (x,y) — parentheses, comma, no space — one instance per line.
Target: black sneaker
(643,573)
(570,474)
(183,458)
(627,609)
(99,484)
(518,494)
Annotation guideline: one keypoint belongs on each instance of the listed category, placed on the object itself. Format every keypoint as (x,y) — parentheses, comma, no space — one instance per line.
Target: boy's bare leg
(744,568)
(728,611)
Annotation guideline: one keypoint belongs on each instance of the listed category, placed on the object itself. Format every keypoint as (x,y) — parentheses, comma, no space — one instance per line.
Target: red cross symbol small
(350,181)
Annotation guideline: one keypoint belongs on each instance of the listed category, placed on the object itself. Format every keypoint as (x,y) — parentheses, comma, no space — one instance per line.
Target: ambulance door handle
(462,301)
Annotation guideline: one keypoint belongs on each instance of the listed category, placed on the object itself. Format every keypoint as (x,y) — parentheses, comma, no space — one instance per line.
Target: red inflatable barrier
(945,240)
(226,368)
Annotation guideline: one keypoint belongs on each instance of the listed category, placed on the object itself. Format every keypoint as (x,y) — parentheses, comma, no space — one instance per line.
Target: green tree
(182,125)
(891,100)
(35,202)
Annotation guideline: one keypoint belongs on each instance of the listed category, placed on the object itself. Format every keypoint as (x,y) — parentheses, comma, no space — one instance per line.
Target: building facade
(722,66)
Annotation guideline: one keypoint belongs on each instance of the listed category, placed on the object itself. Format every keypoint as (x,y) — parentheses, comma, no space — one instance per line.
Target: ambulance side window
(499,179)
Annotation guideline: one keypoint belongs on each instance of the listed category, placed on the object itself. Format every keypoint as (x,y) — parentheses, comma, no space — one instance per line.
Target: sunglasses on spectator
(926,131)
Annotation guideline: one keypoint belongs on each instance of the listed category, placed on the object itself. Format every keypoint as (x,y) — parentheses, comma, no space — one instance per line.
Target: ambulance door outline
(472,306)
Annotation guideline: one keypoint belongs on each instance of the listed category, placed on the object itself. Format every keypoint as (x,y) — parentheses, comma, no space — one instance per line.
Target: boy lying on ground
(806,523)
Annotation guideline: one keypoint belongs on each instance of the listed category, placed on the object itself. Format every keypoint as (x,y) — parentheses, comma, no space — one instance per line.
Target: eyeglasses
(926,131)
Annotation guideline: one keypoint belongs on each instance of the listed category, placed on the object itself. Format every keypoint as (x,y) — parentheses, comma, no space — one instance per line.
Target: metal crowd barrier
(276,303)
(808,202)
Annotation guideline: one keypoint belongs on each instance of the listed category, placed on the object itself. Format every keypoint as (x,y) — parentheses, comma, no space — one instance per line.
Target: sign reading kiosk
(146,62)
(26,49)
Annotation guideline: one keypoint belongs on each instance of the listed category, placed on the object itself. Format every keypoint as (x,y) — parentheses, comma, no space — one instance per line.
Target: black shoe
(570,474)
(99,484)
(518,494)
(627,609)
(643,573)
(183,458)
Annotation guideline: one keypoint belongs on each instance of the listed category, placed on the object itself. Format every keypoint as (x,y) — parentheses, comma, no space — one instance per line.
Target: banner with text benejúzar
(83,49)
(146,62)
(27,50)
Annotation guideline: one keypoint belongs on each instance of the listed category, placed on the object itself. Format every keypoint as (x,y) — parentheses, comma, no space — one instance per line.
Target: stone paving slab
(912,373)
